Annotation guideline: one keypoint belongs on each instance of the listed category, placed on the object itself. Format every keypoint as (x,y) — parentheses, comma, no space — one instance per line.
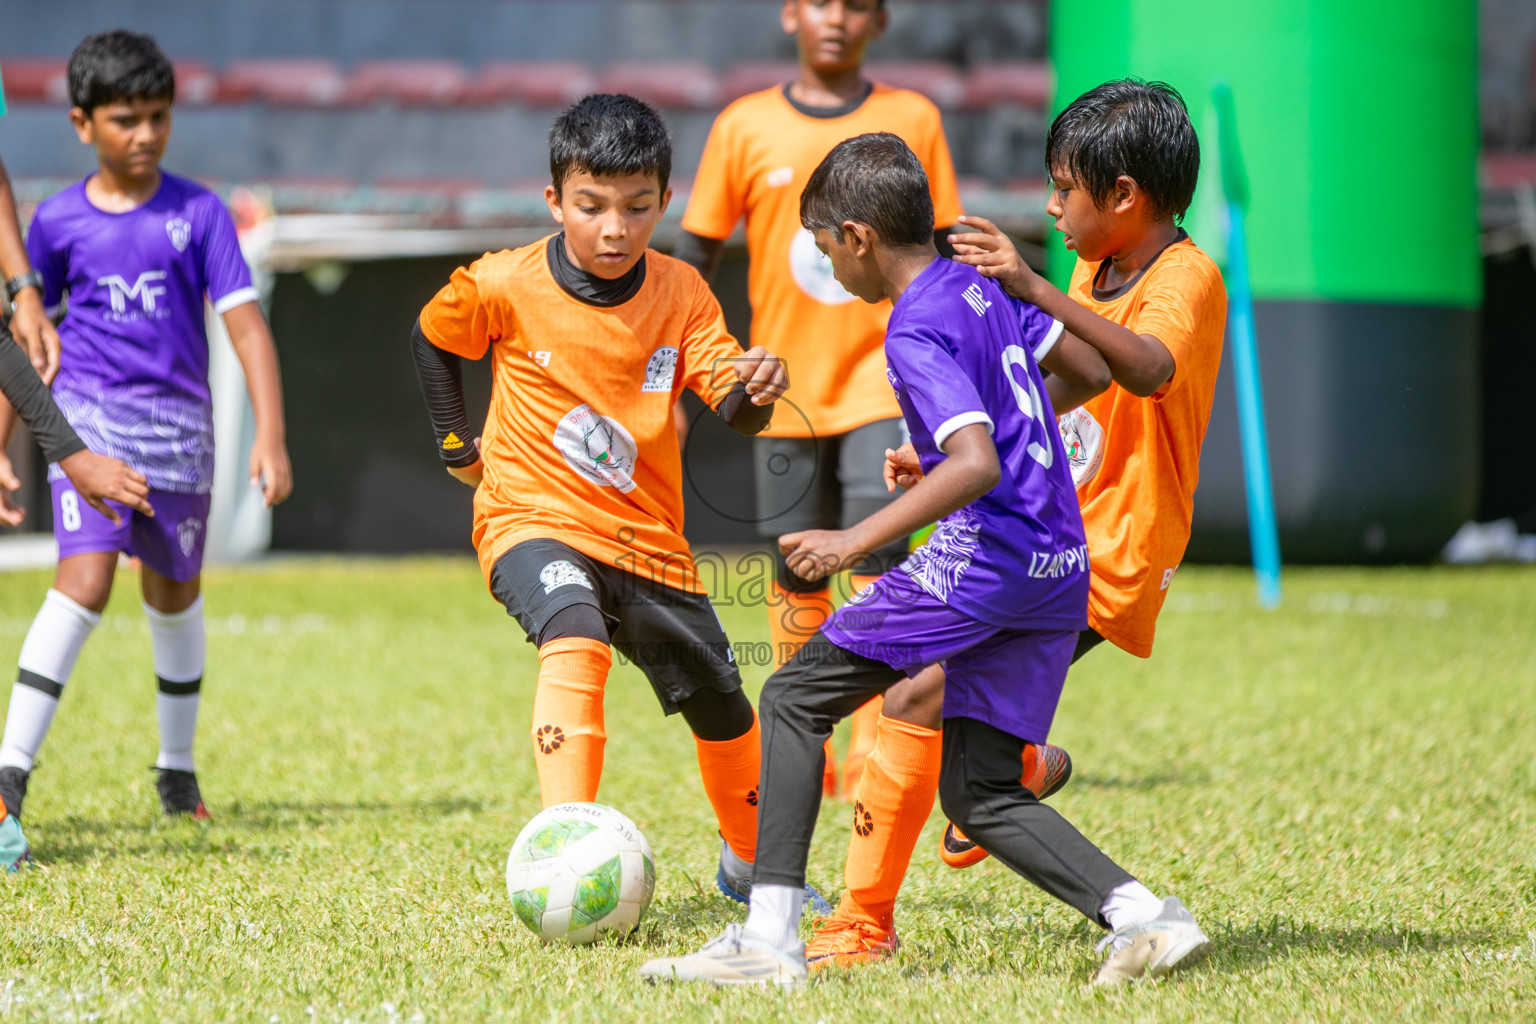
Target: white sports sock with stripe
(47,659)
(180,645)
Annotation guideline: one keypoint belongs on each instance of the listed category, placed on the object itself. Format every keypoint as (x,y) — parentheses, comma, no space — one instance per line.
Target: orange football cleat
(848,942)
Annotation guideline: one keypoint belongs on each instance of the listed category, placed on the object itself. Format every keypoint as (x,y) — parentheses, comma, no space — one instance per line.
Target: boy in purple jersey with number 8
(998,595)
(137,251)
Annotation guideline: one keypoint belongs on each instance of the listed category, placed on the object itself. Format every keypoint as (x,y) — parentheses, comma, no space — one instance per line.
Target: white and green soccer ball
(578,871)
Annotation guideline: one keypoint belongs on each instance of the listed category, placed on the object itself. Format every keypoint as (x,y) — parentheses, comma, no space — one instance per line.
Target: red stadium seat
(755,76)
(411,83)
(677,84)
(1499,170)
(537,83)
(36,79)
(938,81)
(283,82)
(196,84)
(1018,84)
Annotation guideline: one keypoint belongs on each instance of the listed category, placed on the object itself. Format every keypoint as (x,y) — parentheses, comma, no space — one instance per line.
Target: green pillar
(1358,123)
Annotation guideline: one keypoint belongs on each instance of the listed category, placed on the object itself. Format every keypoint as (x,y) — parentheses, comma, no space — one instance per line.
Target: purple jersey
(133,379)
(960,351)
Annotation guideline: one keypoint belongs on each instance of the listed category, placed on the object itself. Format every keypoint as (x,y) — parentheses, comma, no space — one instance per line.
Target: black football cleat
(179,794)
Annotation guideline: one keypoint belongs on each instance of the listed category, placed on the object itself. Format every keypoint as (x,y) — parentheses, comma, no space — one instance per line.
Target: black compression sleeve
(700,253)
(442,384)
(740,414)
(33,403)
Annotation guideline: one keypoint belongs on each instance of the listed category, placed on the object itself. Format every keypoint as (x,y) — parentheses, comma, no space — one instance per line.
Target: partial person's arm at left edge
(28,397)
(29,321)
(96,478)
(970,469)
(270,467)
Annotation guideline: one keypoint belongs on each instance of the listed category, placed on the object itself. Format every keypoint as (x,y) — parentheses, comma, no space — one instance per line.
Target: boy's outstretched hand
(271,470)
(902,469)
(763,373)
(815,554)
(99,479)
(993,254)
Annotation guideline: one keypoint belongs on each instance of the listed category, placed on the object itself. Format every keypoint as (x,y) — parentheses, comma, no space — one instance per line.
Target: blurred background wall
(369,146)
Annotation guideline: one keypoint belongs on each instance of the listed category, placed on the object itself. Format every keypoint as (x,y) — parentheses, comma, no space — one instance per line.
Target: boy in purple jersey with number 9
(998,595)
(137,251)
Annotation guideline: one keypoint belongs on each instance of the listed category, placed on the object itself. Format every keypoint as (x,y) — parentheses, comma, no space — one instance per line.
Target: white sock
(1129,904)
(47,659)
(733,864)
(178,642)
(774,915)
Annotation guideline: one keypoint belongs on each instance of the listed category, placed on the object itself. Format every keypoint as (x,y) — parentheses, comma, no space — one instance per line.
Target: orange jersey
(1136,460)
(760,153)
(579,444)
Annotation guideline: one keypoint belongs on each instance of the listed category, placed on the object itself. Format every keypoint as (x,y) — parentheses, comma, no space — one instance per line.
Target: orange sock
(729,769)
(895,796)
(792,620)
(568,734)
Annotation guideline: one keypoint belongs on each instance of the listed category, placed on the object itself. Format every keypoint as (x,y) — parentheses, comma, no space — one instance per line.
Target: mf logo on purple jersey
(146,290)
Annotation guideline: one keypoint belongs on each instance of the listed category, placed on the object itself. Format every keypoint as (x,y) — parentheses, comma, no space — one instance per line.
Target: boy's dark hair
(609,134)
(874,179)
(1130,127)
(110,67)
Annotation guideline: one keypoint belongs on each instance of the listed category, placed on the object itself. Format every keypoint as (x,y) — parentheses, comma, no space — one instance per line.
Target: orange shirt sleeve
(709,351)
(941,175)
(1172,309)
(459,319)
(719,197)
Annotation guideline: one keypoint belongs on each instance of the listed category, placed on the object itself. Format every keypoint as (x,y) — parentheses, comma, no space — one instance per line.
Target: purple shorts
(170,542)
(1009,678)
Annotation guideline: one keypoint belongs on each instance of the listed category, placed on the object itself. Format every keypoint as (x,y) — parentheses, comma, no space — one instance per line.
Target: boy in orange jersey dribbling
(817,465)
(1123,160)
(578,501)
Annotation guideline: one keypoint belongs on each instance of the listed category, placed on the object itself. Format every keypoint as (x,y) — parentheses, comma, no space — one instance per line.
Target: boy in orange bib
(578,501)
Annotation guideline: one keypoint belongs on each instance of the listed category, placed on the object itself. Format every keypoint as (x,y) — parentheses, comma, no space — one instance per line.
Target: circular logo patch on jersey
(1083,438)
(813,272)
(659,370)
(598,448)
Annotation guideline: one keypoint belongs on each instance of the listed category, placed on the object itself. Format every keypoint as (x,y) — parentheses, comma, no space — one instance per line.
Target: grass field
(1344,790)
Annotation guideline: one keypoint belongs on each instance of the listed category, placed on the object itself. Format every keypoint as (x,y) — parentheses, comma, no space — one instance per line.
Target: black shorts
(827,483)
(674,637)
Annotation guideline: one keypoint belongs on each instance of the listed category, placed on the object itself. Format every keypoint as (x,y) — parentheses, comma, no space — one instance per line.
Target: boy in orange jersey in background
(578,501)
(1123,160)
(818,464)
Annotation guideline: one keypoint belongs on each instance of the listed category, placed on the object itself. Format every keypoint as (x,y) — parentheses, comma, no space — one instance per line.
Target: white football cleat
(735,957)
(1169,941)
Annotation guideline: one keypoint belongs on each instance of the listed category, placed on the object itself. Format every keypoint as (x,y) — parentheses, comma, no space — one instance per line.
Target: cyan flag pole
(1263,534)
